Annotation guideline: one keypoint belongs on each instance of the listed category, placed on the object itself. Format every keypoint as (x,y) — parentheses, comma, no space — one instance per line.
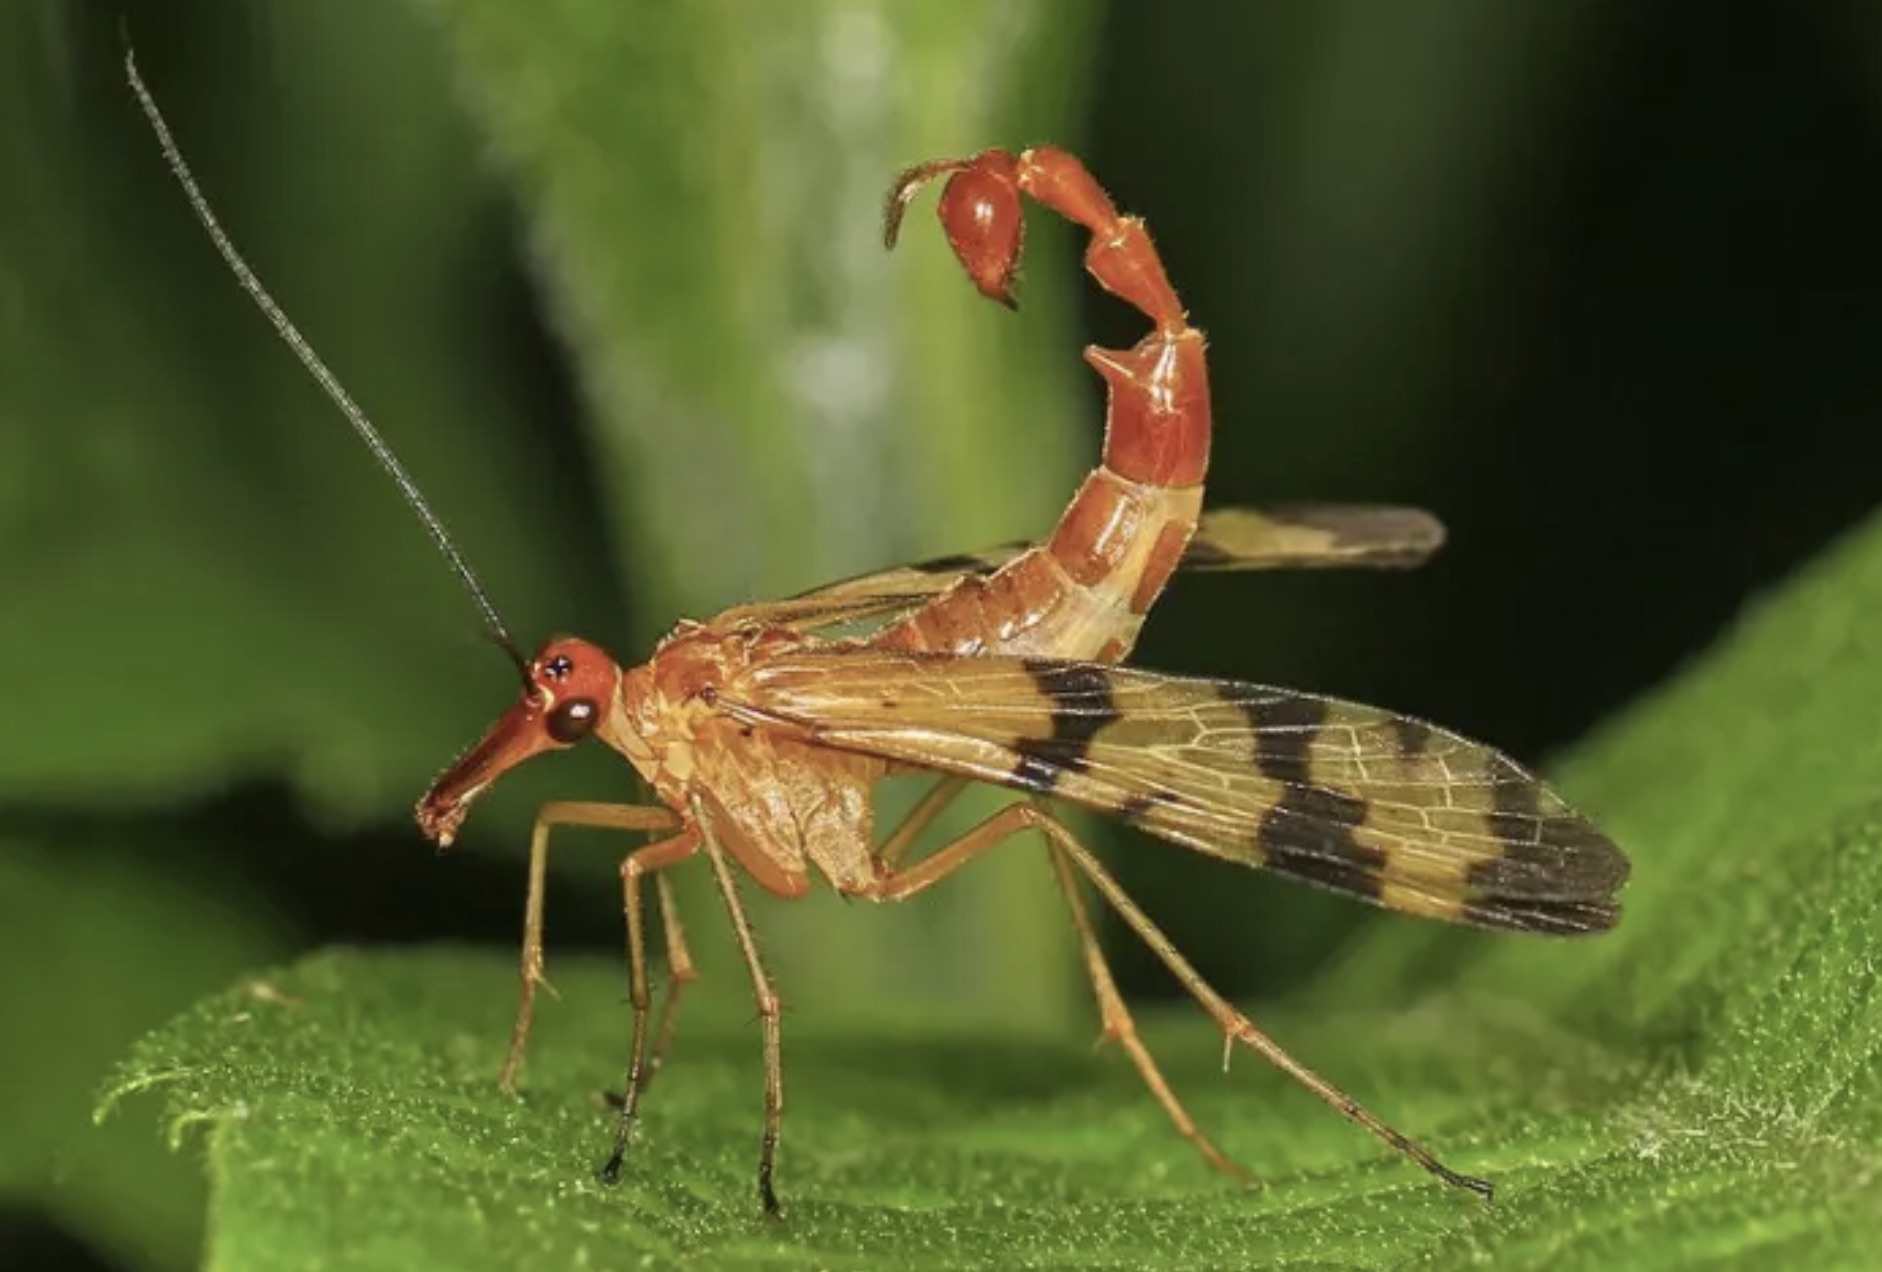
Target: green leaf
(371,1077)
(1700,1088)
(102,946)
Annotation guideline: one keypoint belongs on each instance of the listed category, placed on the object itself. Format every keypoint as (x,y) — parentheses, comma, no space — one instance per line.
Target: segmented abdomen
(1084,593)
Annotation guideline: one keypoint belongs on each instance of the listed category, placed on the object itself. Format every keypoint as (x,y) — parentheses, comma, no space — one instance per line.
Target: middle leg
(770,1013)
(680,974)
(639,864)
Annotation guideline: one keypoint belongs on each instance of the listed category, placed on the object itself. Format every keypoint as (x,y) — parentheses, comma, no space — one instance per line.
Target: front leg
(560,813)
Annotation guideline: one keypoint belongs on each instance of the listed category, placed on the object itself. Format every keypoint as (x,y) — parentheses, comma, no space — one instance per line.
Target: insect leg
(1015,818)
(919,818)
(951,856)
(1237,1026)
(769,1015)
(560,813)
(680,973)
(639,864)
(1119,1025)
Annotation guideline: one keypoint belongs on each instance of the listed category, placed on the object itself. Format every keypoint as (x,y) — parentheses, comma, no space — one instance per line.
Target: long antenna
(291,335)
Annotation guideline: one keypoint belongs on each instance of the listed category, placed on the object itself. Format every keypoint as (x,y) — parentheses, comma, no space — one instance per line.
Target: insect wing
(883,594)
(1302,536)
(1379,806)
(1314,536)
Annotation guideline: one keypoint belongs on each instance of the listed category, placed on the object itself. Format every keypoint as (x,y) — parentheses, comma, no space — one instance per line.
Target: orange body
(782,805)
(763,741)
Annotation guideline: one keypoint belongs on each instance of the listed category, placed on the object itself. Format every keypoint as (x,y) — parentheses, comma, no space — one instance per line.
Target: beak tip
(439,821)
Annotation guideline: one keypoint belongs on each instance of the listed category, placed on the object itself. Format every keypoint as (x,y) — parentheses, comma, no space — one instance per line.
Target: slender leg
(1119,1025)
(1015,818)
(769,1016)
(919,818)
(680,974)
(560,813)
(639,864)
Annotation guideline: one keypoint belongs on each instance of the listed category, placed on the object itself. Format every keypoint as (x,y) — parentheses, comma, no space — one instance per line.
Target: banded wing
(1379,806)
(1300,536)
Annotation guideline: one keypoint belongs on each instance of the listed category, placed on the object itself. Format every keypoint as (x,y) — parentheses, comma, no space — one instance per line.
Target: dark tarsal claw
(610,1172)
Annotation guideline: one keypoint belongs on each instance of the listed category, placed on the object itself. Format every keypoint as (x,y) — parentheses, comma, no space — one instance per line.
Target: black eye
(558,668)
(573,720)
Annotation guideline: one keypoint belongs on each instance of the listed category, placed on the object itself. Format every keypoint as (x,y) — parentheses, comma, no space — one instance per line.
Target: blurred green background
(1599,283)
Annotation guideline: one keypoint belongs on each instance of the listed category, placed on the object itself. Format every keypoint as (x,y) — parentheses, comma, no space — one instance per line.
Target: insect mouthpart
(565,689)
(521,733)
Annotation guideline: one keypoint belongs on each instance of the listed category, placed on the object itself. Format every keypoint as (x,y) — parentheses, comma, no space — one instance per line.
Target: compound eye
(573,720)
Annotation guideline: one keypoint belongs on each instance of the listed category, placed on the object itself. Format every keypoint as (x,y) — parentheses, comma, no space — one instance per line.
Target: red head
(569,688)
